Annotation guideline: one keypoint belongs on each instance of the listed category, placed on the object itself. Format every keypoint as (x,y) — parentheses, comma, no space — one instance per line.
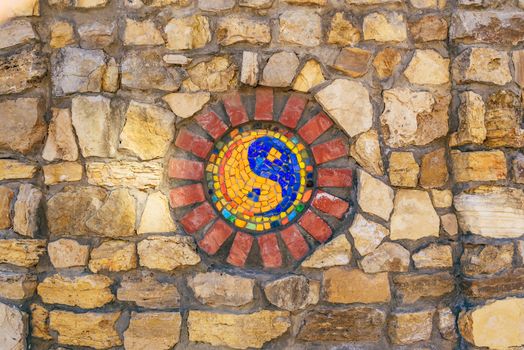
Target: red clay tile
(180,168)
(264,104)
(295,242)
(197,218)
(329,204)
(235,109)
(186,195)
(315,226)
(193,143)
(211,123)
(331,150)
(315,127)
(240,249)
(333,177)
(269,250)
(293,111)
(215,237)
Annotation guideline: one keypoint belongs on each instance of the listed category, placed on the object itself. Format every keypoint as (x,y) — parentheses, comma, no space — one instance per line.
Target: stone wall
(410,109)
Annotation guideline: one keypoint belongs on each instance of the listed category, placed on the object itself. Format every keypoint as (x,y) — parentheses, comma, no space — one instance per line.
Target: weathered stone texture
(116,217)
(13,325)
(113,256)
(146,291)
(65,253)
(234,29)
(280,69)
(387,257)
(61,142)
(367,234)
(403,169)
(412,287)
(503,119)
(157,330)
(486,259)
(333,253)
(366,151)
(434,256)
(21,252)
(427,67)
(292,292)
(479,166)
(374,196)
(471,120)
(347,286)
(21,71)
(188,33)
(27,209)
(220,289)
(16,285)
(16,32)
(144,70)
(141,175)
(6,198)
(216,75)
(166,253)
(481,65)
(11,169)
(385,27)
(410,327)
(487,26)
(414,216)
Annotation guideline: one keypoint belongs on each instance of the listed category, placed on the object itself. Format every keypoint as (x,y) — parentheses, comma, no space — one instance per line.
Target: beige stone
(386,61)
(478,166)
(367,235)
(39,319)
(479,260)
(413,117)
(27,209)
(185,105)
(188,33)
(293,292)
(65,253)
(310,76)
(16,285)
(62,34)
(348,103)
(113,256)
(145,70)
(146,291)
(155,330)
(62,172)
(471,120)
(374,196)
(413,287)
(307,2)
(148,131)
(94,34)
(167,253)
(90,3)
(95,126)
(491,211)
(370,2)
(518,63)
(11,169)
(441,198)
(429,28)
(250,69)
(221,289)
(517,166)
(156,217)
(428,4)
(22,124)
(257,4)
(180,60)
(434,256)
(428,67)
(16,32)
(481,65)
(13,324)
(449,224)
(384,27)
(387,257)
(237,331)
(97,330)
(414,216)
(494,325)
(334,253)
(6,198)
(503,120)
(61,142)
(280,70)
(216,5)
(140,175)
(342,32)
(366,151)
(300,27)
(87,291)
(348,286)
(21,70)
(353,61)
(410,327)
(235,29)
(116,217)
(403,169)
(142,33)
(216,75)
(446,323)
(21,252)
(434,169)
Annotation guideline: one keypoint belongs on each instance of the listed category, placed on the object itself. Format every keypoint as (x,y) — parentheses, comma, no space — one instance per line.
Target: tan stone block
(6,198)
(367,235)
(335,252)
(481,65)
(342,32)
(300,27)
(384,27)
(187,33)
(16,32)
(116,217)
(503,119)
(13,324)
(185,105)
(142,33)
(125,173)
(167,253)
(403,169)
(441,198)
(471,120)
(518,63)
(414,216)
(21,252)
(410,327)
(429,28)
(156,217)
(413,287)
(347,286)
(250,69)
(146,291)
(310,76)
(386,61)
(280,69)
(221,289)
(11,169)
(449,224)
(434,256)
(62,34)
(374,196)
(366,151)
(428,67)
(387,257)
(113,256)
(479,166)
(155,330)
(145,70)
(61,142)
(16,285)
(62,172)
(39,322)
(434,169)
(65,253)
(219,74)
(293,292)
(353,62)
(486,259)
(235,29)
(27,206)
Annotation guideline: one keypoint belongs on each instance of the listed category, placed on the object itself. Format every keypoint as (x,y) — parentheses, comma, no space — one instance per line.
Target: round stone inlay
(260,178)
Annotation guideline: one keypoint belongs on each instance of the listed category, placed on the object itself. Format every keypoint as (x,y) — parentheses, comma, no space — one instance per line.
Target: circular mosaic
(260,179)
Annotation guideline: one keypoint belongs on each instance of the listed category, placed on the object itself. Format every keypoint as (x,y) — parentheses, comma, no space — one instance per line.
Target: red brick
(315,226)
(198,218)
(293,111)
(264,104)
(331,150)
(329,204)
(180,168)
(193,143)
(269,250)
(211,123)
(215,237)
(240,249)
(295,242)
(315,127)
(334,177)
(186,195)
(235,109)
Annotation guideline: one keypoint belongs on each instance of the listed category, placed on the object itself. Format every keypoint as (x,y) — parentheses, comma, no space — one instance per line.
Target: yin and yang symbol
(260,177)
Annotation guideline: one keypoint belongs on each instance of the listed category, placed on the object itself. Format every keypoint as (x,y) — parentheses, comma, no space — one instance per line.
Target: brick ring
(259,191)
